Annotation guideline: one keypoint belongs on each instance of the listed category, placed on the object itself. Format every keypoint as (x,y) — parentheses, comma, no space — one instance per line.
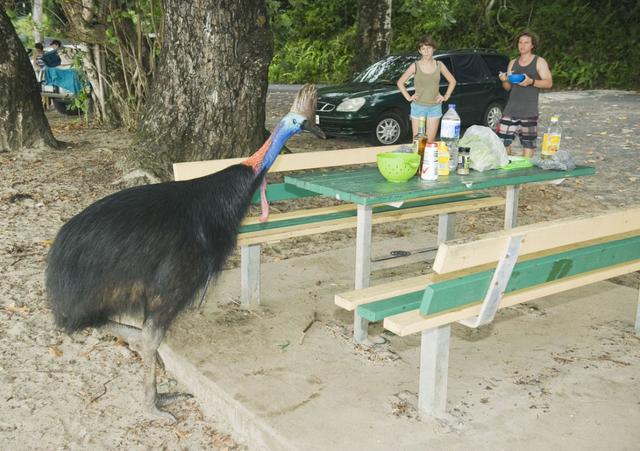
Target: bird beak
(313,128)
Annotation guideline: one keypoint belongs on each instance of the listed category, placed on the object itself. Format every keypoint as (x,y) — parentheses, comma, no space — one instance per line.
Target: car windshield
(387,70)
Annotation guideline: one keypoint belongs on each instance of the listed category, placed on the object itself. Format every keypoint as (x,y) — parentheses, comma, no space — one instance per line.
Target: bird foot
(159,414)
(164,399)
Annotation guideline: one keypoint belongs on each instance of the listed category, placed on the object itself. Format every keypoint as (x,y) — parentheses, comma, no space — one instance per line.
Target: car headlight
(351,104)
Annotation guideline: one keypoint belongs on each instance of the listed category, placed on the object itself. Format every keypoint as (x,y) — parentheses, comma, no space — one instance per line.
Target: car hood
(336,93)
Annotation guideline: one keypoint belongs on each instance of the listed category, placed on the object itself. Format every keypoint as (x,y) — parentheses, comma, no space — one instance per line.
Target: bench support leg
(250,275)
(434,369)
(446,227)
(363,246)
(511,207)
(363,266)
(638,315)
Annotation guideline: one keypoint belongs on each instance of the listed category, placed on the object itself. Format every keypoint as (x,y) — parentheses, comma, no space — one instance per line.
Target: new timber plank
(352,299)
(347,211)
(463,253)
(413,322)
(289,162)
(457,292)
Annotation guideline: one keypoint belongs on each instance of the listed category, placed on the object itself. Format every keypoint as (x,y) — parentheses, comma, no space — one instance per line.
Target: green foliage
(586,43)
(313,60)
(313,41)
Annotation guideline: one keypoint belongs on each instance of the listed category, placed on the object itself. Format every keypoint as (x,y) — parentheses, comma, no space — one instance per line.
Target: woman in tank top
(427,100)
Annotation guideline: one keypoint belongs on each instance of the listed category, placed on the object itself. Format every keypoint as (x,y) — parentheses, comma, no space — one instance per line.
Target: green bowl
(398,167)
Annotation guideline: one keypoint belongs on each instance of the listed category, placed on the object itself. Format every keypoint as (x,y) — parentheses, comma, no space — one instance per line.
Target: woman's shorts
(526,128)
(428,111)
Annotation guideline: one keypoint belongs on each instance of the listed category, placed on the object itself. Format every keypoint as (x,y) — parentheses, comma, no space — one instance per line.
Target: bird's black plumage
(149,251)
(146,250)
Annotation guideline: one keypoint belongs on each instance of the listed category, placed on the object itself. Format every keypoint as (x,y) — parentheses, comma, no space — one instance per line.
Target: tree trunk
(37,20)
(373,39)
(207,99)
(22,120)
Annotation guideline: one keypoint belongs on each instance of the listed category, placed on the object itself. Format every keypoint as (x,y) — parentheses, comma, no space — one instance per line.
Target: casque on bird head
(299,118)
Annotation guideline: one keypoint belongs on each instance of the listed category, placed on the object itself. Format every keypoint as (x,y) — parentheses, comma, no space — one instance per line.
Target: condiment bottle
(463,161)
(430,162)
(420,140)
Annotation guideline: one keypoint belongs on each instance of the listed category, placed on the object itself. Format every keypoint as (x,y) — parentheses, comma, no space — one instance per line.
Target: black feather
(146,250)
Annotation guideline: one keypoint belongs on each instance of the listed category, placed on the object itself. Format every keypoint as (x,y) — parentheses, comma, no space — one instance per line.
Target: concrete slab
(558,373)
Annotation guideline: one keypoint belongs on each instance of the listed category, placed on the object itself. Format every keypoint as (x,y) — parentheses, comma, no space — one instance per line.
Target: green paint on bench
(470,289)
(353,213)
(366,186)
(379,310)
(282,191)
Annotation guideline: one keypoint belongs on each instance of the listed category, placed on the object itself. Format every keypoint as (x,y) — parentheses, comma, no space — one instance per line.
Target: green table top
(366,186)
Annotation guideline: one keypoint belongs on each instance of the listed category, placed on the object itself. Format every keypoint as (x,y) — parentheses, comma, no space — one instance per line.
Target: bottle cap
(452,105)
(555,118)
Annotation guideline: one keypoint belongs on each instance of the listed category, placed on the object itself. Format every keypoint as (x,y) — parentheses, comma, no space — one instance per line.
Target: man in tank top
(427,100)
(520,117)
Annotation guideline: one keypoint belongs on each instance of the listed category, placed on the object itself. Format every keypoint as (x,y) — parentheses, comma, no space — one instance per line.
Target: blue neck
(279,136)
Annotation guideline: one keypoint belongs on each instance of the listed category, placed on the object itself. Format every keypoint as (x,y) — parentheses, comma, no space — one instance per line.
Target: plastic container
(430,162)
(551,139)
(398,167)
(514,79)
(443,159)
(463,162)
(450,134)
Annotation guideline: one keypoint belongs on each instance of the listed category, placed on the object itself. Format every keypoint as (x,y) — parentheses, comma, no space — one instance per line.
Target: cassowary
(150,250)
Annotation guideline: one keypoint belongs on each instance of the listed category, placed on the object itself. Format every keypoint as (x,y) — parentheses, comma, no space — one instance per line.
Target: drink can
(430,162)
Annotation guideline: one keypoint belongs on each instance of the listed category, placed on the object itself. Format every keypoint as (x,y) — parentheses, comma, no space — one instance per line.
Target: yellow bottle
(551,139)
(443,158)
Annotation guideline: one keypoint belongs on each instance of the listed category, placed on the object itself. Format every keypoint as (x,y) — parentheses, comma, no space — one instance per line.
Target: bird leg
(151,338)
(130,334)
(264,203)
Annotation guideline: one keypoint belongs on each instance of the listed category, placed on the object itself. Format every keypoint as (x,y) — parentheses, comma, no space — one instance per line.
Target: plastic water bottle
(551,139)
(450,134)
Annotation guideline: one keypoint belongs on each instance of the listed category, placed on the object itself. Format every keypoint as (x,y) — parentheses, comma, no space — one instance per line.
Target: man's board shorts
(525,127)
(428,111)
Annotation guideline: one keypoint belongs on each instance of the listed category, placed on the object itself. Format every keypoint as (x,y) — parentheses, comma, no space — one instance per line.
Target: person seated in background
(36,59)
(64,60)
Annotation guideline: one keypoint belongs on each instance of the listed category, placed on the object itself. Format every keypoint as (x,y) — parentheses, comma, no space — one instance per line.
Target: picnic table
(366,187)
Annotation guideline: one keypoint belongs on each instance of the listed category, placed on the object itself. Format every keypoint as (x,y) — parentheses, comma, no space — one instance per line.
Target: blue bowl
(516,78)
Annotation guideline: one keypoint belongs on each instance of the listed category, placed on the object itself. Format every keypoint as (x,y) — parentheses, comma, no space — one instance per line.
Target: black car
(371,104)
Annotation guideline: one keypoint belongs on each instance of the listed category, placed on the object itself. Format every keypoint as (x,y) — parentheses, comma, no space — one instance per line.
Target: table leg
(363,266)
(446,227)
(511,207)
(363,246)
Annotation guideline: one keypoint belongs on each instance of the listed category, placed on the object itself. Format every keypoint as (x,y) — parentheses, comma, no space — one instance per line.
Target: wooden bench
(473,278)
(302,222)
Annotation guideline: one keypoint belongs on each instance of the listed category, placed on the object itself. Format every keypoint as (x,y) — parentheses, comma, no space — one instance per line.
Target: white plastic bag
(487,150)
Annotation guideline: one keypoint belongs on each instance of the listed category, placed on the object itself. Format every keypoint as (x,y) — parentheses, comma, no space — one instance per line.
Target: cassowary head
(300,118)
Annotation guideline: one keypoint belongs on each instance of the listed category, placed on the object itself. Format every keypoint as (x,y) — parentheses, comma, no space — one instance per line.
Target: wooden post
(434,369)
(250,275)
(511,207)
(363,267)
(446,227)
(638,314)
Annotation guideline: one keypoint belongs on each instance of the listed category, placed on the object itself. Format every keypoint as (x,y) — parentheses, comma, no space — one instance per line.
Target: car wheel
(389,129)
(492,115)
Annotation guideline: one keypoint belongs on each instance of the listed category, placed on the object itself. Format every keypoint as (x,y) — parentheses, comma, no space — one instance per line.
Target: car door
(474,87)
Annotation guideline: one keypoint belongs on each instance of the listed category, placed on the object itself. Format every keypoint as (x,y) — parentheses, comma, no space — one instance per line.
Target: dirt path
(85,391)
